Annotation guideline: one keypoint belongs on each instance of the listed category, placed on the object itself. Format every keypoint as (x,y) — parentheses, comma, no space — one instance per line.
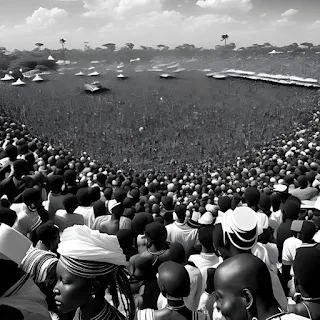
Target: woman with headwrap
(90,264)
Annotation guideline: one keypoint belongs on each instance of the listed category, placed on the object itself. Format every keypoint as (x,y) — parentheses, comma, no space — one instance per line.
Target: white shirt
(275,220)
(64,220)
(289,250)
(182,233)
(203,262)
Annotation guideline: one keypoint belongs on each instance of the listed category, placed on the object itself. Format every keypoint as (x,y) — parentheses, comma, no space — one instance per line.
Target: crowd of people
(83,241)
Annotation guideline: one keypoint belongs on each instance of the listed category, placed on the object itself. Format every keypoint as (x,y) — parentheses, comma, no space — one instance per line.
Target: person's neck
(115,217)
(255,208)
(158,247)
(177,302)
(92,308)
(206,250)
(266,312)
(181,220)
(234,251)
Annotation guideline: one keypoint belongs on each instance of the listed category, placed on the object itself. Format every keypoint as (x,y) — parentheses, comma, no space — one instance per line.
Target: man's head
(243,286)
(180,212)
(174,280)
(252,196)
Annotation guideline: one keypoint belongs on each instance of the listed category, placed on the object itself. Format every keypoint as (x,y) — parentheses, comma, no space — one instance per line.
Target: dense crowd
(83,241)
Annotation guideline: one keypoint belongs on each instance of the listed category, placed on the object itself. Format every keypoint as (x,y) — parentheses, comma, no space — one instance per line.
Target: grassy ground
(189,119)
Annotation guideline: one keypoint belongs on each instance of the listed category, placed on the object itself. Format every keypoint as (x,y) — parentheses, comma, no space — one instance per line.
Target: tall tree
(130,45)
(39,45)
(63,42)
(307,44)
(110,46)
(224,38)
(86,46)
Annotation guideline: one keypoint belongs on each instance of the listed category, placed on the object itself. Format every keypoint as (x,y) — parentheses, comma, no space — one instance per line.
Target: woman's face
(70,291)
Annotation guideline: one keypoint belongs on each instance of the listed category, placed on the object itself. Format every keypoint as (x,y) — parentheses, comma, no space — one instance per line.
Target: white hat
(13,245)
(206,218)
(317,204)
(280,188)
(112,204)
(239,222)
(210,207)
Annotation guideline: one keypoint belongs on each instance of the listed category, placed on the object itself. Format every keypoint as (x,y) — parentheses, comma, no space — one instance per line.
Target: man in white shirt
(179,231)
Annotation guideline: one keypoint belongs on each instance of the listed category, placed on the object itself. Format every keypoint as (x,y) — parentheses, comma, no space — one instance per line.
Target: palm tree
(39,45)
(63,41)
(224,38)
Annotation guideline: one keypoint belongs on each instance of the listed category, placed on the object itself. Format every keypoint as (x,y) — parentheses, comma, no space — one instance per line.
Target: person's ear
(95,288)
(248,298)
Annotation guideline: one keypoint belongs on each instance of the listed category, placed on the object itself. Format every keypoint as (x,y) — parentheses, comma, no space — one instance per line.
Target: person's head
(156,209)
(94,193)
(252,197)
(125,238)
(84,197)
(224,203)
(303,181)
(275,200)
(7,216)
(31,198)
(115,208)
(49,234)
(243,287)
(265,204)
(306,266)
(20,168)
(177,252)
(99,208)
(11,152)
(70,177)
(139,223)
(108,193)
(119,194)
(70,203)
(167,202)
(89,263)
(173,280)
(156,234)
(180,212)
(308,230)
(205,238)
(55,183)
(290,210)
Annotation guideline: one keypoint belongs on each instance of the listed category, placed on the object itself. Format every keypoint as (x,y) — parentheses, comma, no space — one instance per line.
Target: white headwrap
(89,253)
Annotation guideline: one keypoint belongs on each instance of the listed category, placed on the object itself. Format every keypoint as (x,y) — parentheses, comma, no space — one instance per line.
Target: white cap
(13,245)
(280,188)
(206,218)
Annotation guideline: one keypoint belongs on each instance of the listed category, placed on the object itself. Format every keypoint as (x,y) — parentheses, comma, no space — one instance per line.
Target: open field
(189,119)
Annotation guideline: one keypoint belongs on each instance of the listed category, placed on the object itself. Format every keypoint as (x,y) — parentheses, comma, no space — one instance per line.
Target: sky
(151,22)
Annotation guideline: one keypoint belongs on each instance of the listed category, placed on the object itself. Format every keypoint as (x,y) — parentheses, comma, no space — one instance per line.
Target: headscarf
(89,254)
(39,263)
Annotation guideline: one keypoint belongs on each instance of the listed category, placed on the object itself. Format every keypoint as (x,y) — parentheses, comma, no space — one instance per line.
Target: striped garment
(39,263)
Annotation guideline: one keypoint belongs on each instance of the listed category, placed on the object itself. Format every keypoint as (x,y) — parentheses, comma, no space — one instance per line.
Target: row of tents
(19,82)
